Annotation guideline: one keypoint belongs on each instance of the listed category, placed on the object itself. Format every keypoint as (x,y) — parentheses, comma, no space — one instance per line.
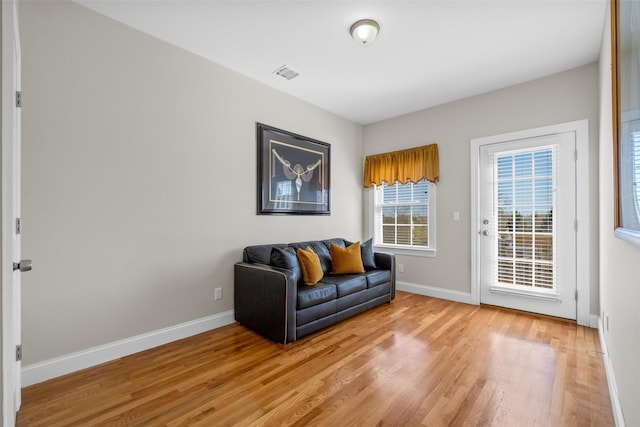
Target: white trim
(474,168)
(628,236)
(10,290)
(396,250)
(583,241)
(583,279)
(593,321)
(42,371)
(549,296)
(431,291)
(618,415)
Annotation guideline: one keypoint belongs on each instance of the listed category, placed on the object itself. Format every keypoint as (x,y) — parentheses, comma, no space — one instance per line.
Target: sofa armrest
(265,300)
(387,261)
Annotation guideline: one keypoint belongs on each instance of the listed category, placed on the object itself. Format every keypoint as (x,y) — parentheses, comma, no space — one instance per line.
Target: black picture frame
(293,173)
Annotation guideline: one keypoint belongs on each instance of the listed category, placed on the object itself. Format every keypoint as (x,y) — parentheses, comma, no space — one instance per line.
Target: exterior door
(11,319)
(527,209)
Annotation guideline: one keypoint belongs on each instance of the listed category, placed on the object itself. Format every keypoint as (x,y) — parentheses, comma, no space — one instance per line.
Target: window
(404,216)
(626,121)
(630,176)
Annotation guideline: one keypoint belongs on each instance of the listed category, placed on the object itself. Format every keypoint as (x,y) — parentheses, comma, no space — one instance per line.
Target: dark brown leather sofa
(274,302)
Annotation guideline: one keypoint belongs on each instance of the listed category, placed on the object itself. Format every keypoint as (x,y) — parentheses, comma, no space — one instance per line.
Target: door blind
(525,227)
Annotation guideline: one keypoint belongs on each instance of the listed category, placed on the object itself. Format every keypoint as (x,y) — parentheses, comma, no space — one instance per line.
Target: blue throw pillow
(368,258)
(286,258)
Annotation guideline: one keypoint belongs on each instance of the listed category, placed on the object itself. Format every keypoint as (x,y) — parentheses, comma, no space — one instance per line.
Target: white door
(527,213)
(11,383)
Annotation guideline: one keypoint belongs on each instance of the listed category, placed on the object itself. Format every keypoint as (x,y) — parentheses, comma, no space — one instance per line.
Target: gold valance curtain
(412,165)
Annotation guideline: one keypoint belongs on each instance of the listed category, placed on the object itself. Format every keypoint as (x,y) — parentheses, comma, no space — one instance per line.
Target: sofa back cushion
(260,254)
(368,256)
(286,258)
(321,249)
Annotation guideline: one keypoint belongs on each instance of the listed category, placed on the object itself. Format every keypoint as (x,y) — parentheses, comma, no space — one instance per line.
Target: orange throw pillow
(346,260)
(310,264)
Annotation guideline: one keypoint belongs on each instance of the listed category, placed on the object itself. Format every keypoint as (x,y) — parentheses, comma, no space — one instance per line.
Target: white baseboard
(618,416)
(430,291)
(594,321)
(463,297)
(42,371)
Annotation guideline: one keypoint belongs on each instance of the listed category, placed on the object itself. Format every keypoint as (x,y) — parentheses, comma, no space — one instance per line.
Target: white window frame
(626,187)
(375,226)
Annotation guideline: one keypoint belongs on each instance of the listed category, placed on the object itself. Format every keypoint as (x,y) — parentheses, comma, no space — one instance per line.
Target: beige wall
(139,179)
(564,97)
(619,261)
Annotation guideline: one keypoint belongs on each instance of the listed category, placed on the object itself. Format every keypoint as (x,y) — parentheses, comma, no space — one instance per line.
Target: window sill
(428,253)
(525,292)
(629,236)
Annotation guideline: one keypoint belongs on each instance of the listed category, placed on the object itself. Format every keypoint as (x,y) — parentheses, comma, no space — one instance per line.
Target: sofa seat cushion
(346,284)
(377,277)
(316,294)
(315,312)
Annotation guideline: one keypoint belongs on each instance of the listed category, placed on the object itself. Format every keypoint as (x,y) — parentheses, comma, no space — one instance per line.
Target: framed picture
(293,173)
(625,49)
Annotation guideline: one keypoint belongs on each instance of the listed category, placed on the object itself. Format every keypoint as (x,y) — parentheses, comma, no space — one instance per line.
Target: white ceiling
(427,53)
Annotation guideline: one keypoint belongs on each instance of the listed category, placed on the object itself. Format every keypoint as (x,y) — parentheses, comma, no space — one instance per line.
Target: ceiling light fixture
(365,31)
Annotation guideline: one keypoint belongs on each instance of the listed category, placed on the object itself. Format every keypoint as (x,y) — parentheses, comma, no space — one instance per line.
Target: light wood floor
(417,361)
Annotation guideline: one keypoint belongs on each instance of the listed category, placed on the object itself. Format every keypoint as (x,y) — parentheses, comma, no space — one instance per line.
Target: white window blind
(524,206)
(403,215)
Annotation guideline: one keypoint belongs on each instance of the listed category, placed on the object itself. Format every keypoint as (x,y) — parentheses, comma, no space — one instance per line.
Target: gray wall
(564,97)
(139,179)
(619,265)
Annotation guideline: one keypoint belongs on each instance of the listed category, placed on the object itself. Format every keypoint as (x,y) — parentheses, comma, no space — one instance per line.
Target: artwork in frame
(293,173)
(626,117)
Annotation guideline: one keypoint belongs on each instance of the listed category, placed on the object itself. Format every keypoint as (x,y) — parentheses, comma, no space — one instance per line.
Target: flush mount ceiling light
(365,31)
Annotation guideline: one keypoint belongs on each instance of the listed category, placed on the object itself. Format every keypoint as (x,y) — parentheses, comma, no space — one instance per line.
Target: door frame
(10,367)
(583,276)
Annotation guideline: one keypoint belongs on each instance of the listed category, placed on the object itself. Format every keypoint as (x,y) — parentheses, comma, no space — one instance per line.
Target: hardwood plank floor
(417,361)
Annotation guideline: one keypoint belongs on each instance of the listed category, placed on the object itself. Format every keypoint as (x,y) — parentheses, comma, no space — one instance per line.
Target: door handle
(23,265)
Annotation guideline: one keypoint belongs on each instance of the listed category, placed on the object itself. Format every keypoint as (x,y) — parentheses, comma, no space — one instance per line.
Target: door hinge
(576,295)
(575,155)
(18,225)
(575,224)
(18,352)
(18,99)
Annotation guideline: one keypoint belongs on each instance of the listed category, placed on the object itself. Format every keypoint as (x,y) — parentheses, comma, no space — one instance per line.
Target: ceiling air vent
(286,72)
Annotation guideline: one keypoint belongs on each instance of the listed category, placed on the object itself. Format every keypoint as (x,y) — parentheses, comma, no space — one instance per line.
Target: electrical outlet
(400,268)
(218,294)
